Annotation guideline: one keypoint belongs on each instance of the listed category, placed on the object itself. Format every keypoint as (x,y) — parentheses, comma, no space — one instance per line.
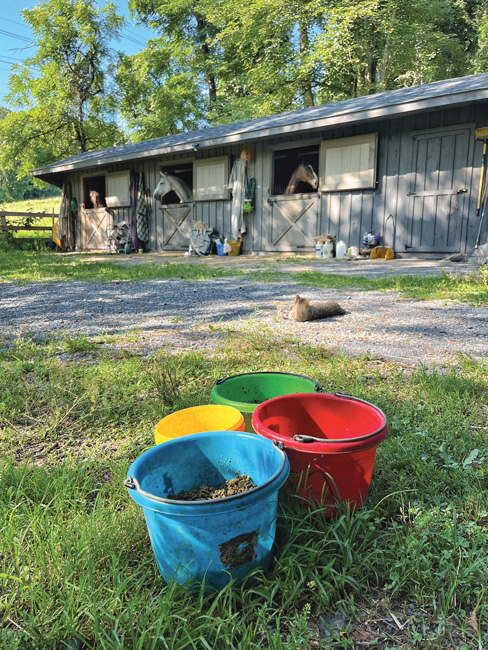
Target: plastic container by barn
(340,250)
(217,540)
(198,419)
(330,440)
(327,250)
(220,249)
(247,390)
(235,248)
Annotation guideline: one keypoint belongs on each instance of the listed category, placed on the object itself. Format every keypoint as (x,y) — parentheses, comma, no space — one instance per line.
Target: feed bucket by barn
(245,391)
(197,419)
(209,541)
(330,440)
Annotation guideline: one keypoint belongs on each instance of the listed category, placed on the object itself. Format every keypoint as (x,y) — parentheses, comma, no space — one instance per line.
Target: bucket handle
(133,484)
(317,388)
(308,439)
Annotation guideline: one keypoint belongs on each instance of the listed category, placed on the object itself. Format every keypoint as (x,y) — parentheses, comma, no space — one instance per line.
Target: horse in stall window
(95,199)
(169,183)
(304,173)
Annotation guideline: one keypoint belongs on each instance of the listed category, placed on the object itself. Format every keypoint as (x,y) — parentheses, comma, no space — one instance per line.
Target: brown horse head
(304,173)
(95,199)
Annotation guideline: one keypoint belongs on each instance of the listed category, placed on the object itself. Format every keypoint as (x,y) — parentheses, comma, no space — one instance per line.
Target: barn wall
(347,214)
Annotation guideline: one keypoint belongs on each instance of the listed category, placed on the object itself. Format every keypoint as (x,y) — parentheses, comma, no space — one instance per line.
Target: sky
(15,36)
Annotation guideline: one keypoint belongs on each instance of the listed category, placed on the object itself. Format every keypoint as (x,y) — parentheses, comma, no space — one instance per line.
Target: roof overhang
(252,130)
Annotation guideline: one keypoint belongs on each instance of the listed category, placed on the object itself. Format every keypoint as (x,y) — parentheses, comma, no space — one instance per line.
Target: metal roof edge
(335,119)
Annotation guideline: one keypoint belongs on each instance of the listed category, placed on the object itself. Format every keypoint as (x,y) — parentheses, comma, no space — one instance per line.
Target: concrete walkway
(288,262)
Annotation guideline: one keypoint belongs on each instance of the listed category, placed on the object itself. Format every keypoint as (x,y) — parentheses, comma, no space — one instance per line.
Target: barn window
(349,163)
(185,173)
(211,179)
(117,189)
(286,161)
(93,184)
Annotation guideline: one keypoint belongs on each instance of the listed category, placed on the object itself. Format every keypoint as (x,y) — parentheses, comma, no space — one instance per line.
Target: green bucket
(246,391)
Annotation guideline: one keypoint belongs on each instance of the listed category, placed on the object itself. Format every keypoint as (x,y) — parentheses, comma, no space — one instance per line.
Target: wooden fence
(6,227)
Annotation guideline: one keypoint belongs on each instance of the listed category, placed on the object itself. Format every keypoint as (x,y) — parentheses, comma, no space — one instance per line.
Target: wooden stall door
(438,191)
(177,221)
(294,222)
(95,226)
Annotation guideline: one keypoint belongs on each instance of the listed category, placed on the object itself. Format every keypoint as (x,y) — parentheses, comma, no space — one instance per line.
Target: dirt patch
(241,483)
(239,551)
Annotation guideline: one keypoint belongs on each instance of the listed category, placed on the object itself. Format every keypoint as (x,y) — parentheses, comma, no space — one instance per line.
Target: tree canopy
(214,62)
(60,96)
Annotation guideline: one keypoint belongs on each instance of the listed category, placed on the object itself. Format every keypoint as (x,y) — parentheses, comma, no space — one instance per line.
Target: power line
(12,35)
(12,58)
(132,40)
(12,21)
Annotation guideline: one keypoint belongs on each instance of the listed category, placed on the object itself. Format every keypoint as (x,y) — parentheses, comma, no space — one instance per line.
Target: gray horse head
(169,183)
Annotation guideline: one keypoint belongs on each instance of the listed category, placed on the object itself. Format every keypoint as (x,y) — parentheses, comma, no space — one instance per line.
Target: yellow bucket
(198,419)
(235,248)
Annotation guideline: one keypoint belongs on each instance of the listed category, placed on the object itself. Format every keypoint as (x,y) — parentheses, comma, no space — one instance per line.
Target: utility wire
(12,58)
(12,35)
(12,21)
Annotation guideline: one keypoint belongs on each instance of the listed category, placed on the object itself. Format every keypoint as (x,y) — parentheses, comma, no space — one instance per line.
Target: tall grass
(76,566)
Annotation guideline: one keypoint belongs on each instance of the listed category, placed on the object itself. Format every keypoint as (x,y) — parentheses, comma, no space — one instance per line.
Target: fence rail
(7,227)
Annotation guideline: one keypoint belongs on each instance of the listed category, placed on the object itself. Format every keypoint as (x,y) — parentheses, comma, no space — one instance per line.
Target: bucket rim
(132,483)
(349,444)
(198,407)
(318,387)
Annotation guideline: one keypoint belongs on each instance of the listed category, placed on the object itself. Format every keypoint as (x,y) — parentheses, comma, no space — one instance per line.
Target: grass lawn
(77,571)
(35,206)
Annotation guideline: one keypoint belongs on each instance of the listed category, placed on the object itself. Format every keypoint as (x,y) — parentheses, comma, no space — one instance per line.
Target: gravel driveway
(176,315)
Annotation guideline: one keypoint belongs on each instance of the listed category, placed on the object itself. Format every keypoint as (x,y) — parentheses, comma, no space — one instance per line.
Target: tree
(159,94)
(270,56)
(60,95)
(480,59)
(218,62)
(376,45)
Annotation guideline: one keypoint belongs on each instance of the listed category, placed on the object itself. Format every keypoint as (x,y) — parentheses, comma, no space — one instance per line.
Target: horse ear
(162,174)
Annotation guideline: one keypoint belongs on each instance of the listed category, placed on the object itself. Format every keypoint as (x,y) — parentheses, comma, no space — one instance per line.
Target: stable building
(404,163)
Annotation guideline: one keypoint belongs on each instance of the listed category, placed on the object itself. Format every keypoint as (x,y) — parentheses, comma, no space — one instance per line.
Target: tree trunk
(207,72)
(304,45)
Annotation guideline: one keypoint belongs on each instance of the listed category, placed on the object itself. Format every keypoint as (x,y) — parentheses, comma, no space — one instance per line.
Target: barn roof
(393,103)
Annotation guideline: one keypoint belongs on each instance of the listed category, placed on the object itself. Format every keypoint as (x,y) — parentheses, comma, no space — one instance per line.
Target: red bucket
(330,440)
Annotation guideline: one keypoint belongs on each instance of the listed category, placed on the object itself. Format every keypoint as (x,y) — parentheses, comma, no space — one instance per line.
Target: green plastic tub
(247,390)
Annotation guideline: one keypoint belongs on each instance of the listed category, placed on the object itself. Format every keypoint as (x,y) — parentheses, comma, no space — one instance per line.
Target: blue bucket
(216,540)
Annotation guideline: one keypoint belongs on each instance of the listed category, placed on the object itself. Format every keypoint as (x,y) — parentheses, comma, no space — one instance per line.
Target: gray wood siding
(387,209)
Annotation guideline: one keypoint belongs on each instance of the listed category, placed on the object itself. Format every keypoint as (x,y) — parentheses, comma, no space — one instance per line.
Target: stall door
(438,191)
(294,222)
(177,221)
(96,222)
